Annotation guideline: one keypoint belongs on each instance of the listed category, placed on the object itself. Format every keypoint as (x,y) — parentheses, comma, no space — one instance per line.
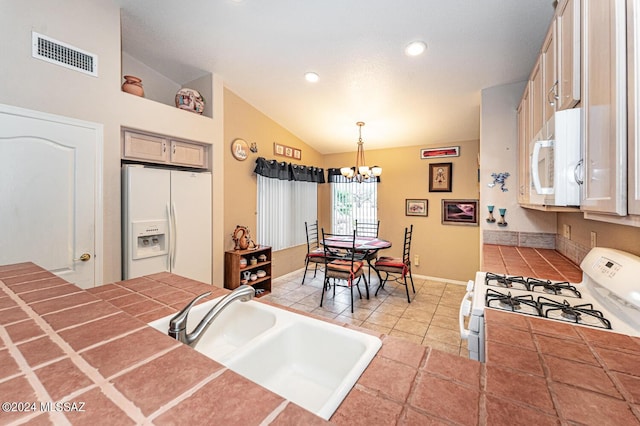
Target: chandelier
(361,171)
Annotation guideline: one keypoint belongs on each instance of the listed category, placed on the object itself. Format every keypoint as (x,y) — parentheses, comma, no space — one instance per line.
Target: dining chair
(399,266)
(315,253)
(342,263)
(367,229)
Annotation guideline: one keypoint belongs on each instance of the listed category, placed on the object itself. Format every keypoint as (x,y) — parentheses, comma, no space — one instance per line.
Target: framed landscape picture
(440,177)
(415,207)
(460,212)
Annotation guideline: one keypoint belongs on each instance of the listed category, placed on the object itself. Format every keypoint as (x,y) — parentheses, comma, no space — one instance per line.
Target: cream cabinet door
(188,154)
(604,109)
(138,146)
(568,49)
(537,99)
(633,49)
(524,136)
(549,76)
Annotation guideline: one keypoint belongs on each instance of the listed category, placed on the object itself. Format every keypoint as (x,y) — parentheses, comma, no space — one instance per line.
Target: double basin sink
(310,362)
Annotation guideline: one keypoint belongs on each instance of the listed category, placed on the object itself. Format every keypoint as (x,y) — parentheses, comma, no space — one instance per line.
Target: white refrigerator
(166,222)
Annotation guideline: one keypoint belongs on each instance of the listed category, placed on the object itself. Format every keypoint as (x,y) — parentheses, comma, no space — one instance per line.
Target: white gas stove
(607,298)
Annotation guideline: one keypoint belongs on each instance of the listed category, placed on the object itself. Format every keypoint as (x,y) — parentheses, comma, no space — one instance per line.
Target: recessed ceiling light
(311,77)
(415,48)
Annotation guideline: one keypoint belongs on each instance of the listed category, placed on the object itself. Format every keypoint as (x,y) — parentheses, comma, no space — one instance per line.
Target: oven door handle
(465,310)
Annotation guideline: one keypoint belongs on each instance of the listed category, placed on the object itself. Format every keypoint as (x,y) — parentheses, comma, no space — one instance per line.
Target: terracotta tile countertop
(69,356)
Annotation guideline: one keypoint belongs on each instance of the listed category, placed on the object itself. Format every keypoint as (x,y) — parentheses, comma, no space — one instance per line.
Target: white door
(50,213)
(191,210)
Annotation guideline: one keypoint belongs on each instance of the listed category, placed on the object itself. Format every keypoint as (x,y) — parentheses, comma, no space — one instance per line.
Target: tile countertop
(59,343)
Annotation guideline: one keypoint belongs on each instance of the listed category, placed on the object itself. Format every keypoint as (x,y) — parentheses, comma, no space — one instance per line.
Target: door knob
(84,257)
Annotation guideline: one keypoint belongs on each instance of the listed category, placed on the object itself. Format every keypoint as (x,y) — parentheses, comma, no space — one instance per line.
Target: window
(287,198)
(283,207)
(353,201)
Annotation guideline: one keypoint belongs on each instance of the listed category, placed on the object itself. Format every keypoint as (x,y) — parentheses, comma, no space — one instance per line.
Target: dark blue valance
(288,171)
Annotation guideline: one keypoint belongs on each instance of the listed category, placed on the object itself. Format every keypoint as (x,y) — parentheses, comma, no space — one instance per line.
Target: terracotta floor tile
(80,314)
(49,293)
(98,410)
(128,299)
(502,412)
(630,386)
(126,351)
(402,351)
(36,275)
(454,368)
(363,408)
(61,303)
(591,408)
(391,378)
(113,293)
(443,398)
(580,375)
(510,336)
(6,302)
(18,269)
(38,285)
(40,350)
(148,388)
(413,418)
(147,317)
(554,328)
(296,415)
(20,390)
(23,330)
(8,366)
(62,378)
(99,330)
(155,292)
(517,386)
(145,306)
(103,288)
(175,296)
(621,361)
(513,357)
(610,340)
(506,318)
(11,315)
(567,349)
(199,409)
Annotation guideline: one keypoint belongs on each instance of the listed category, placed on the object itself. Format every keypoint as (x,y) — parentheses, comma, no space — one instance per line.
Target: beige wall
(621,237)
(446,251)
(244,121)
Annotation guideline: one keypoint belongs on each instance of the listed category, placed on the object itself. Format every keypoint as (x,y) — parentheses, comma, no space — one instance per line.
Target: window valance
(334,175)
(288,171)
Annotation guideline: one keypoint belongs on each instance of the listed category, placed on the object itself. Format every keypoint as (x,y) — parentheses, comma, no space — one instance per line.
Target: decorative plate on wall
(240,149)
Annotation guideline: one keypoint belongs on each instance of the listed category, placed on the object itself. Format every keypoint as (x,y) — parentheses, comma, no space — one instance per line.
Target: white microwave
(554,163)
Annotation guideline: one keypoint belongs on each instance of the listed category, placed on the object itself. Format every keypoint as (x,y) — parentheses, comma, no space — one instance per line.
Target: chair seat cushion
(393,262)
(339,265)
(316,253)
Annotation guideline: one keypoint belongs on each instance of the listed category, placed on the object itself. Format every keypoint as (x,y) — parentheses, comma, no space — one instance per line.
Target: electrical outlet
(594,240)
(566,231)
(416,259)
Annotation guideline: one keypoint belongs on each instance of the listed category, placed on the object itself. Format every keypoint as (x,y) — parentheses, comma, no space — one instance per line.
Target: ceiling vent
(62,54)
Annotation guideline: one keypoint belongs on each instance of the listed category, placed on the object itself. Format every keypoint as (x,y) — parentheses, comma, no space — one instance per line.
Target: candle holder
(502,222)
(491,219)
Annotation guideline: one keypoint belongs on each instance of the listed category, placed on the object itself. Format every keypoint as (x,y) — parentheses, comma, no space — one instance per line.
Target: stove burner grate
(512,303)
(504,281)
(579,314)
(558,288)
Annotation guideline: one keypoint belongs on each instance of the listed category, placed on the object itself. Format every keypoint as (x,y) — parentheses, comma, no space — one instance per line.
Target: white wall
(38,85)
(499,153)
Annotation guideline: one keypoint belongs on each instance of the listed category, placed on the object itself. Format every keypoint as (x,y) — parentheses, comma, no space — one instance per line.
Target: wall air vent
(59,53)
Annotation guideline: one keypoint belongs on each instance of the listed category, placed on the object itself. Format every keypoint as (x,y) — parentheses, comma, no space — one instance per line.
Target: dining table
(363,246)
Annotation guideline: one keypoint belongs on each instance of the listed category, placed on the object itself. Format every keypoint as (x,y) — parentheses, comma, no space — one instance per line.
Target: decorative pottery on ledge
(133,85)
(190,100)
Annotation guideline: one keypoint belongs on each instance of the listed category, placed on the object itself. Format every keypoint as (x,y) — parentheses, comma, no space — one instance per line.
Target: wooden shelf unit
(233,271)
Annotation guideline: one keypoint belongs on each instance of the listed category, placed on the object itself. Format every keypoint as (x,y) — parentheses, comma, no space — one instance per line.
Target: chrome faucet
(178,324)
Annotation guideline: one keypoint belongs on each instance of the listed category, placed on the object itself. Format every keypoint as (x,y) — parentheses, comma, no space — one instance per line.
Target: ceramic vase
(502,222)
(133,85)
(491,219)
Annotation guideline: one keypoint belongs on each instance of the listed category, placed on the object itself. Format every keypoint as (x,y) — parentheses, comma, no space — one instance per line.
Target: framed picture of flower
(415,207)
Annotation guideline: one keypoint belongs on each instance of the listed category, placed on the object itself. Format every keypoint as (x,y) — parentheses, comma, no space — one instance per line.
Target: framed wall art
(415,207)
(239,149)
(460,212)
(287,151)
(440,177)
(450,151)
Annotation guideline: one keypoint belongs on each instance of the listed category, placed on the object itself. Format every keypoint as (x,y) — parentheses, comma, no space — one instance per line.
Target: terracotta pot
(133,85)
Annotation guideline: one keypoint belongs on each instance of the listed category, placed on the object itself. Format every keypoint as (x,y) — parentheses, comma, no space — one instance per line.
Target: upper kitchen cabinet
(568,58)
(159,149)
(604,110)
(524,136)
(633,90)
(537,99)
(550,83)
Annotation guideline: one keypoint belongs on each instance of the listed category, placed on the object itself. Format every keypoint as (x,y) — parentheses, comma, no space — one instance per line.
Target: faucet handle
(179,321)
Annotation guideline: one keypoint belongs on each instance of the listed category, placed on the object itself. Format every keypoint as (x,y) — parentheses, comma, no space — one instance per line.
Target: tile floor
(431,319)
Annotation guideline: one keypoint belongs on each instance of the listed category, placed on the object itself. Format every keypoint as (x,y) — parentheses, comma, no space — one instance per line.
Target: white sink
(310,362)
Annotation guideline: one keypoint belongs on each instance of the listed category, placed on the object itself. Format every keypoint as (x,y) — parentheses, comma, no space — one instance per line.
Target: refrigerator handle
(170,227)
(175,236)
